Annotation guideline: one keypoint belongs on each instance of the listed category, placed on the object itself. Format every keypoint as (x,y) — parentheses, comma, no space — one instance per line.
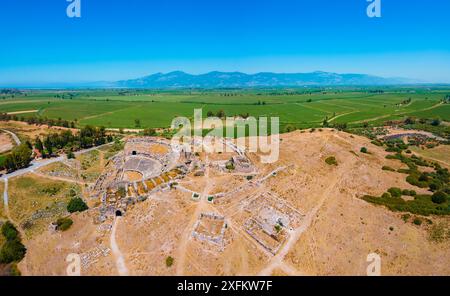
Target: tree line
(89,136)
(38,120)
(20,157)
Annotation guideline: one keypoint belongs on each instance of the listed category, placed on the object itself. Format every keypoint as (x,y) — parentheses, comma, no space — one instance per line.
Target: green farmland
(120,109)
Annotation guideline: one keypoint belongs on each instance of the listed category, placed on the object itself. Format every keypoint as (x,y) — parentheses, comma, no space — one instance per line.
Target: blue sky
(121,39)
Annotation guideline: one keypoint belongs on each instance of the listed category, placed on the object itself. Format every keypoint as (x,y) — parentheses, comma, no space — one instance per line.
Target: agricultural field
(154,109)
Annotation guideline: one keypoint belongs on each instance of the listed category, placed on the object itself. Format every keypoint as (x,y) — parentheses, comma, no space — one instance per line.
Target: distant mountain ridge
(179,79)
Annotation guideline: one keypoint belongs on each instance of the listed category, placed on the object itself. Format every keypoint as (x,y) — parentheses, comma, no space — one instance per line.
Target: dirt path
(402,113)
(341,115)
(7,212)
(313,108)
(120,260)
(6,199)
(277,260)
(108,113)
(98,115)
(13,135)
(182,249)
(21,101)
(59,178)
(22,112)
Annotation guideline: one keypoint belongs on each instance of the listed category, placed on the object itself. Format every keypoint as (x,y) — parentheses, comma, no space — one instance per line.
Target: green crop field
(300,108)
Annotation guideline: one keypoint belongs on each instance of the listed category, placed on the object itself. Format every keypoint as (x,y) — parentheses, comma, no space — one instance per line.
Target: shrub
(12,251)
(409,192)
(386,195)
(420,205)
(331,160)
(435,122)
(70,155)
(169,261)
(423,178)
(413,180)
(387,168)
(364,150)
(14,270)
(76,205)
(417,221)
(405,217)
(277,228)
(122,192)
(439,197)
(289,128)
(9,231)
(72,192)
(377,143)
(393,149)
(434,186)
(63,224)
(230,166)
(395,192)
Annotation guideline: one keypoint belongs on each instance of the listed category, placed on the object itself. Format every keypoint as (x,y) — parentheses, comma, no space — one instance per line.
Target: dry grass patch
(440,153)
(35,202)
(159,149)
(29,132)
(91,165)
(6,143)
(61,170)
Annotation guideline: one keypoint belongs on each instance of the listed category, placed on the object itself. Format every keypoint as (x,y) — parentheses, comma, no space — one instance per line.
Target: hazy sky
(121,39)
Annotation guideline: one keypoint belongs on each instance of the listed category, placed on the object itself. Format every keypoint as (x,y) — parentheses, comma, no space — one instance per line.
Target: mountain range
(179,79)
(216,79)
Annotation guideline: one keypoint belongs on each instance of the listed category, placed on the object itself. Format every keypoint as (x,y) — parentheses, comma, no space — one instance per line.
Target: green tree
(9,231)
(63,224)
(169,261)
(76,205)
(395,192)
(39,145)
(19,158)
(12,251)
(220,113)
(150,132)
(439,197)
(48,145)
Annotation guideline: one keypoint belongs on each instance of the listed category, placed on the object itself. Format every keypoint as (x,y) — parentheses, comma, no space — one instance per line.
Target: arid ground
(325,228)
